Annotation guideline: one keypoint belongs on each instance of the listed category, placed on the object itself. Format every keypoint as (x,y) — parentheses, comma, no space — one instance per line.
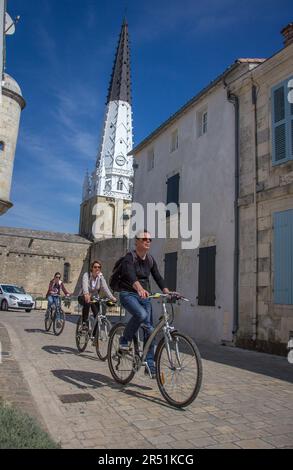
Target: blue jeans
(53,299)
(141,311)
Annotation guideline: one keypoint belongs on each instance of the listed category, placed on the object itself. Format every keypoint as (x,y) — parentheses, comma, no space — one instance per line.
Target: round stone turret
(11,105)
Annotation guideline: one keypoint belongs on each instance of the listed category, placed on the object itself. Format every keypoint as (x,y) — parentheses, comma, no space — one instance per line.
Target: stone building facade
(191,159)
(30,258)
(266,202)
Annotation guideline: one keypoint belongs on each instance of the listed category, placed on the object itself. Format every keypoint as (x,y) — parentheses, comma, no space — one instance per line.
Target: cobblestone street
(246,400)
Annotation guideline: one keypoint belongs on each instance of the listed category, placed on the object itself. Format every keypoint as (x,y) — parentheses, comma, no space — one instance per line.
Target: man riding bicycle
(134,287)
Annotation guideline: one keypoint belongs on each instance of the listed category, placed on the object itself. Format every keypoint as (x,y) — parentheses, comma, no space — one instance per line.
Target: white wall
(206,167)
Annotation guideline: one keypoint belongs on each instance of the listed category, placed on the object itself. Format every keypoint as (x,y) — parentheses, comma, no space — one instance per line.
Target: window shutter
(170,275)
(207,276)
(279,124)
(173,189)
(283,257)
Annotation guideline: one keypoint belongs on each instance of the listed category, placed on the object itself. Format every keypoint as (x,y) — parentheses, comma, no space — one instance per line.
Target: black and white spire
(113,174)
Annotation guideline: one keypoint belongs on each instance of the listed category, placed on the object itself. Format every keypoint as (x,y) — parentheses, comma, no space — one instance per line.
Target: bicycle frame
(162,325)
(100,315)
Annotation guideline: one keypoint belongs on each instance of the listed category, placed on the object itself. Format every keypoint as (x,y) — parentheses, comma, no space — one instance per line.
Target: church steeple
(113,174)
(111,182)
(119,88)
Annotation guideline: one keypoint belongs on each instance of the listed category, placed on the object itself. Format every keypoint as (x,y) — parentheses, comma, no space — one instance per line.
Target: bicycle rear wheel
(179,374)
(59,322)
(102,338)
(49,319)
(121,364)
(81,336)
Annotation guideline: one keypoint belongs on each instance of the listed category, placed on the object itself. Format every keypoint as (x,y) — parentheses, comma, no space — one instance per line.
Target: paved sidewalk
(14,389)
(246,400)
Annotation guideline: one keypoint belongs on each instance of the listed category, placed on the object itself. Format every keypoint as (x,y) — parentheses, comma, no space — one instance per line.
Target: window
(151,159)
(66,273)
(202,122)
(282,124)
(174,140)
(108,185)
(120,185)
(2,146)
(207,276)
(283,257)
(173,190)
(170,274)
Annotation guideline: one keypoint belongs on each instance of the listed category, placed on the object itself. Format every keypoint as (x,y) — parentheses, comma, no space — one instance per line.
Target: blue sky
(62,56)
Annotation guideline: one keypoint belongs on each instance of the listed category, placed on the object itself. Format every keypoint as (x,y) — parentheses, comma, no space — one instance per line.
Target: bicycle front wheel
(178,370)
(59,322)
(121,364)
(102,339)
(48,320)
(81,336)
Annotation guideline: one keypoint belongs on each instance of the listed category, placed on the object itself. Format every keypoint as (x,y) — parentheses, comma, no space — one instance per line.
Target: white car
(15,297)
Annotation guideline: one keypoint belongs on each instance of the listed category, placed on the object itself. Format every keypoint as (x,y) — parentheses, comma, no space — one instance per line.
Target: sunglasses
(97,267)
(145,239)
(58,277)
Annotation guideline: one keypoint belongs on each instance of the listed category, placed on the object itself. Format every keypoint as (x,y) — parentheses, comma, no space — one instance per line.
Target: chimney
(288,34)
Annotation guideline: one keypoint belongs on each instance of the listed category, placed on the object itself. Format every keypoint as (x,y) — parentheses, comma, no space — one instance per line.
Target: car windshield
(13,290)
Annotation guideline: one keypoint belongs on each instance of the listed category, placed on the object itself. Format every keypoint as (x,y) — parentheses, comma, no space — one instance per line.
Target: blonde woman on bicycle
(92,284)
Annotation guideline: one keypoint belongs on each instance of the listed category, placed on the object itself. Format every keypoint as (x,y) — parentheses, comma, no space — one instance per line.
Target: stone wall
(263,325)
(108,252)
(30,258)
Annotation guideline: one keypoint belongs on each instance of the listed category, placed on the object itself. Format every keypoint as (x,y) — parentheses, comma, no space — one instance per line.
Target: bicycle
(56,317)
(100,325)
(176,356)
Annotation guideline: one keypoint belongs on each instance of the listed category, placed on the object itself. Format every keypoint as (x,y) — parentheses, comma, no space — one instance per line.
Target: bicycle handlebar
(171,296)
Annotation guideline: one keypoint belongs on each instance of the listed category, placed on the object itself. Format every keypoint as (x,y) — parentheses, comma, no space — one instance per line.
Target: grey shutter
(207,276)
(173,189)
(170,274)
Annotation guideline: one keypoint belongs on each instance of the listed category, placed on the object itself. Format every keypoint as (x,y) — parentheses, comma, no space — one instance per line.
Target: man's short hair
(141,232)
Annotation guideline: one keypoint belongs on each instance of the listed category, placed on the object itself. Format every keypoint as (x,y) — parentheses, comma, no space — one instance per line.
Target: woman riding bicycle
(92,284)
(54,290)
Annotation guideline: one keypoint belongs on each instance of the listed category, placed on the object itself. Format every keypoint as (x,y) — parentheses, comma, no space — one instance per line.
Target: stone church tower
(112,180)
(11,105)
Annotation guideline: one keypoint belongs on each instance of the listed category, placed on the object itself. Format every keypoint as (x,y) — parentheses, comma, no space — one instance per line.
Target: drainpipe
(255,305)
(235,101)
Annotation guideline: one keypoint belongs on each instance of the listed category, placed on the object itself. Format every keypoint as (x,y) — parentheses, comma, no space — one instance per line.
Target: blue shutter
(290,119)
(283,257)
(282,124)
(279,124)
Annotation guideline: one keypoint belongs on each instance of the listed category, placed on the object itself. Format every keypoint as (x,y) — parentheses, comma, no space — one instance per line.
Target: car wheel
(4,305)
(28,310)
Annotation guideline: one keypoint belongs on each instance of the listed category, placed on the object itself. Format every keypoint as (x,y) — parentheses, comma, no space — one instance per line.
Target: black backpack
(114,281)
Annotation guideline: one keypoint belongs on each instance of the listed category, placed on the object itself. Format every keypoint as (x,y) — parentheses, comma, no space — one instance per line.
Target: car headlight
(13,297)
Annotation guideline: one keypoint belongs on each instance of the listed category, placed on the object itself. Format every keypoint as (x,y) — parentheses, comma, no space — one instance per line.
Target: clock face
(120,160)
